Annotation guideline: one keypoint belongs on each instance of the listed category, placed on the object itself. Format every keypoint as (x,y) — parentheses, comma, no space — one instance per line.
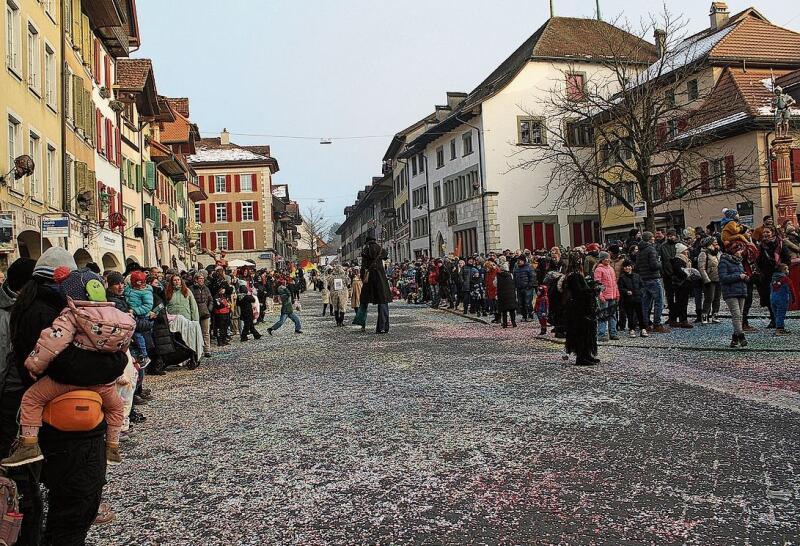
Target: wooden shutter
(674,181)
(203,240)
(202,212)
(202,180)
(248,240)
(212,212)
(577,234)
(255,210)
(76,25)
(231,246)
(683,123)
(228,185)
(730,175)
(255,181)
(96,64)
(237,183)
(77,101)
(117,146)
(705,186)
(98,124)
(107,73)
(238,209)
(549,237)
(138,170)
(109,141)
(229,211)
(212,183)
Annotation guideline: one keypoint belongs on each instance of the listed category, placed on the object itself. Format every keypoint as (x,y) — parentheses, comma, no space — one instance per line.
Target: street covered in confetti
(448,430)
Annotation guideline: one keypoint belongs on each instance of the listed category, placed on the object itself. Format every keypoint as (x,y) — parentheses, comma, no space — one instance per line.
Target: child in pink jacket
(88,322)
(609,298)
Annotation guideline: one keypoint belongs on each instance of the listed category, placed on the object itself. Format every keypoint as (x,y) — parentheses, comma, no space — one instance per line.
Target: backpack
(9,508)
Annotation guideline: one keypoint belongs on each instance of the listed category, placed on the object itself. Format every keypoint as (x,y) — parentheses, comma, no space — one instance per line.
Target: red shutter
(795,158)
(255,181)
(674,181)
(705,187)
(108,72)
(212,213)
(730,175)
(212,241)
(238,208)
(202,180)
(229,212)
(255,210)
(538,236)
(112,201)
(230,240)
(527,235)
(549,236)
(109,140)
(203,240)
(202,212)
(237,183)
(577,234)
(683,123)
(98,122)
(773,169)
(228,183)
(211,183)
(118,140)
(248,240)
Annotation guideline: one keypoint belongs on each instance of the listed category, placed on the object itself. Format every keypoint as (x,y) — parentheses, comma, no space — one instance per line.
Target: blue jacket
(525,277)
(140,301)
(730,271)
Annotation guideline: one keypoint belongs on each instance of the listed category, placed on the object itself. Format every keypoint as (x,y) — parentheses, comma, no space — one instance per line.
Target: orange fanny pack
(75,411)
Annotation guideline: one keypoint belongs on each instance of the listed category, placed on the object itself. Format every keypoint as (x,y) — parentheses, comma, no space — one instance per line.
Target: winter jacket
(8,373)
(630,283)
(140,301)
(183,305)
(525,277)
(464,277)
(604,275)
(491,288)
(679,277)
(730,271)
(781,288)
(708,264)
(506,292)
(733,231)
(666,252)
(96,326)
(119,301)
(245,304)
(203,299)
(433,276)
(286,300)
(648,265)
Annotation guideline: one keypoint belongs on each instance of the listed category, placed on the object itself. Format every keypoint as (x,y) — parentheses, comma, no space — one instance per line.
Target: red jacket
(433,275)
(491,289)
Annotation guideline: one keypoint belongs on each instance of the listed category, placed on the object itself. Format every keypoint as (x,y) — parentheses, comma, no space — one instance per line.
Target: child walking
(222,317)
(88,322)
(781,298)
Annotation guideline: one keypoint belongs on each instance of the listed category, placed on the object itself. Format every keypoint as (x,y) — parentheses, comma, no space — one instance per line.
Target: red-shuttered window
(248,239)
(203,241)
(202,180)
(705,185)
(254,178)
(109,140)
(118,147)
(107,72)
(237,184)
(202,208)
(229,183)
(231,245)
(730,172)
(255,210)
(238,211)
(229,212)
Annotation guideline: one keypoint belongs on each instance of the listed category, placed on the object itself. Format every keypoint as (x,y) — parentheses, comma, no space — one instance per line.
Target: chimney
(454,99)
(661,41)
(442,112)
(719,14)
(225,137)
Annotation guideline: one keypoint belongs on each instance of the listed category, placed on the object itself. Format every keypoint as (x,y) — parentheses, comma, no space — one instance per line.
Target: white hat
(680,248)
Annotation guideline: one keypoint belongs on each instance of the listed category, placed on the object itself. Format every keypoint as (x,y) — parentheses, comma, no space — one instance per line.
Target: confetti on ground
(447,431)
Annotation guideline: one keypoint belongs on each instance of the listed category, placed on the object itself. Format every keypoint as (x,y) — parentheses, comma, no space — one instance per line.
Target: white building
(476,201)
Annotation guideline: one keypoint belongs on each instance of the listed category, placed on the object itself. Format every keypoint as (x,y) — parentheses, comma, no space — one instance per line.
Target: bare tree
(315,227)
(641,129)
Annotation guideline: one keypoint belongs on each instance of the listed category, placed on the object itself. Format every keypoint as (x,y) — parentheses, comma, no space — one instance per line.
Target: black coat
(630,283)
(506,292)
(245,305)
(376,286)
(580,316)
(648,265)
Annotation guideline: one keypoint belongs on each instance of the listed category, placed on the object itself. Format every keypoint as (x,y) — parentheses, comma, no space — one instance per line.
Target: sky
(271,69)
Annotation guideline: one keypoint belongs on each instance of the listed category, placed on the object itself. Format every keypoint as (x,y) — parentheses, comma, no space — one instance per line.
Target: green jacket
(286,300)
(183,305)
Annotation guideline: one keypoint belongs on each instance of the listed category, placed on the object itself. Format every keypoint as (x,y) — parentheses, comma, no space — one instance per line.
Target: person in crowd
(525,283)
(246,304)
(506,296)
(433,283)
(325,292)
(750,255)
(732,230)
(89,322)
(339,287)
(648,266)
(733,281)
(491,288)
(356,285)
(465,280)
(767,223)
(205,304)
(477,292)
(633,240)
(580,315)
(542,308)
(592,257)
(771,254)
(222,318)
(708,265)
(781,298)
(606,280)
(376,286)
(180,300)
(666,252)
(630,290)
(234,317)
(681,280)
(287,310)
(140,300)
(443,277)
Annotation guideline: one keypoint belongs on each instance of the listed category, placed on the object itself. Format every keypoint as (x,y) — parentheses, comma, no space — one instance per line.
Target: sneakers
(139,401)
(113,457)
(644,332)
(715,320)
(144,362)
(614,338)
(24,451)
(602,339)
(782,332)
(298,331)
(146,394)
(632,333)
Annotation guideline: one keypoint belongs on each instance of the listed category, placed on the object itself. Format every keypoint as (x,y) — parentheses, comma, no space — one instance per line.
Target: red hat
(592,247)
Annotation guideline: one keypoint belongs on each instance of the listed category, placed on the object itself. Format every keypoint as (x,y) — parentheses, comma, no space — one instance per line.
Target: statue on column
(783,111)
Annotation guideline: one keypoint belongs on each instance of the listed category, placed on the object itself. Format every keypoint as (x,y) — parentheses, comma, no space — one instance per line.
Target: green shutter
(150,176)
(138,169)
(182,225)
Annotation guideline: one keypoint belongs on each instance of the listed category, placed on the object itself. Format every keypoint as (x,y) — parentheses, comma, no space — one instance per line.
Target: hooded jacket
(730,271)
(139,300)
(9,376)
(525,277)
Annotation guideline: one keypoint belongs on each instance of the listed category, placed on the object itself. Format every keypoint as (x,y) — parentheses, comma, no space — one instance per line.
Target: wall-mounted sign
(640,209)
(55,225)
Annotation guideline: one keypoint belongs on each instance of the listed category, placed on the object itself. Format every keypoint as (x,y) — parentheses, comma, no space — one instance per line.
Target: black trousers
(222,323)
(634,314)
(513,313)
(681,294)
(669,290)
(248,328)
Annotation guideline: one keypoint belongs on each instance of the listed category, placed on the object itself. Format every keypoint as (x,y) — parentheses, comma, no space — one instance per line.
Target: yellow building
(31,104)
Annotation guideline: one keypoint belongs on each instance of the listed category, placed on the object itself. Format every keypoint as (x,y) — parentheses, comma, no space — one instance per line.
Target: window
(466,143)
(48,9)
(630,192)
(13,143)
(530,131)
(246,182)
(248,239)
(579,134)
(452,149)
(219,184)
(12,36)
(440,157)
(419,227)
(33,58)
(476,185)
(197,212)
(50,77)
(692,90)
(655,187)
(672,128)
(421,163)
(52,176)
(35,150)
(414,166)
(717,168)
(247,211)
(222,240)
(130,218)
(419,197)
(669,97)
(576,89)
(437,195)
(220,212)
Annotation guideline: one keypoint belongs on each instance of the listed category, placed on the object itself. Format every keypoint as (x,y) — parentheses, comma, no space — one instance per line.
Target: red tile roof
(181,105)
(131,74)
(756,40)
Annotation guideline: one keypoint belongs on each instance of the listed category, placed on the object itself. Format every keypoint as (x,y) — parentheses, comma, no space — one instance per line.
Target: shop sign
(108,240)
(265,256)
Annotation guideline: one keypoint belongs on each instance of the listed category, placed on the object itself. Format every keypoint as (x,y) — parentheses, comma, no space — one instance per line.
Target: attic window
(576,86)
(531,131)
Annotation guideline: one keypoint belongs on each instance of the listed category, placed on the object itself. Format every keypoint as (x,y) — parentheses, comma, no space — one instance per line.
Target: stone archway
(82,257)
(29,244)
(111,262)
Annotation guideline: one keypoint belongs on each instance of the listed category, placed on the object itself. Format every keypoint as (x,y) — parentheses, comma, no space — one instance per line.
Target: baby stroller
(169,348)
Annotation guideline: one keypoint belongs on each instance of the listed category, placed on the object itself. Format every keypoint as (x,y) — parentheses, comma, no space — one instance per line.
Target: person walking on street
(246,304)
(287,310)
(733,281)
(376,286)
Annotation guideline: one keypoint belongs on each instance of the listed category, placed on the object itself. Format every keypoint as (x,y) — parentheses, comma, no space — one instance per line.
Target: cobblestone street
(450,431)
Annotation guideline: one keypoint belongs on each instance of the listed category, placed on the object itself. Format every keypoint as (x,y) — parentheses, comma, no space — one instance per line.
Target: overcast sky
(349,68)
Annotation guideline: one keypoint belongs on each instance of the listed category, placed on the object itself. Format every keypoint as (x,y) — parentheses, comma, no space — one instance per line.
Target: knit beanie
(647,236)
(19,273)
(114,278)
(729,213)
(52,258)
(603,255)
(707,241)
(83,285)
(680,247)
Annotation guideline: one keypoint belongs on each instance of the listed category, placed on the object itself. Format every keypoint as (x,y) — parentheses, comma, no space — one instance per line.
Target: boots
(25,451)
(543,324)
(742,341)
(113,457)
(734,340)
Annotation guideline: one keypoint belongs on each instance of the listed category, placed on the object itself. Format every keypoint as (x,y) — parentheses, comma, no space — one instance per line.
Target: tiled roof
(176,131)
(791,79)
(260,150)
(754,39)
(211,150)
(181,105)
(131,74)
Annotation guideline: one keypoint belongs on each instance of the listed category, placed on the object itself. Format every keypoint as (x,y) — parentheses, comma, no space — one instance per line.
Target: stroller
(168,348)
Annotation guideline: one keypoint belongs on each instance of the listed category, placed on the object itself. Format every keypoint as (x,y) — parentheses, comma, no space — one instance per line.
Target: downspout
(140,125)
(768,155)
(63,116)
(483,189)
(428,195)
(121,191)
